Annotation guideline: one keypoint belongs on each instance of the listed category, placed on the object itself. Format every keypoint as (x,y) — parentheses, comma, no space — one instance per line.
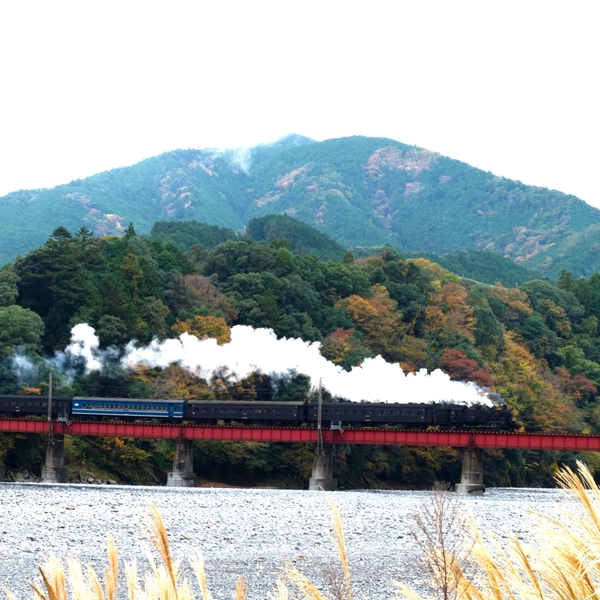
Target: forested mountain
(537,345)
(298,236)
(359,191)
(483,266)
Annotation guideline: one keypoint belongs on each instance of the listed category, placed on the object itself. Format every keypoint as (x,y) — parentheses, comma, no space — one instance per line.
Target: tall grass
(565,565)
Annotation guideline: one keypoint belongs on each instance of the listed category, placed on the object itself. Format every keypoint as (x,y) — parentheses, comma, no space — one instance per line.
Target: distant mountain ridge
(360,191)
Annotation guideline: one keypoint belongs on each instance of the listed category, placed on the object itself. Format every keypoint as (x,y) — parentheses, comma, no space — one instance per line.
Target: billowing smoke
(83,352)
(26,370)
(253,350)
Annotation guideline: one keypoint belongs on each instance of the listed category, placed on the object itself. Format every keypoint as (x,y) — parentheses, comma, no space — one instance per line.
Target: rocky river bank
(248,532)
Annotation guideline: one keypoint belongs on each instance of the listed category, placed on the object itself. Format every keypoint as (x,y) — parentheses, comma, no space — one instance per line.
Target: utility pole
(320,420)
(50,424)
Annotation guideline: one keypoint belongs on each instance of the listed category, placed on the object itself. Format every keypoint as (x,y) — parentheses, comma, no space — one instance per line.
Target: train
(333,414)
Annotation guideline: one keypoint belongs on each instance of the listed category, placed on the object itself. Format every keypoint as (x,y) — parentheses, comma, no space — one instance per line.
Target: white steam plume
(241,158)
(83,351)
(252,350)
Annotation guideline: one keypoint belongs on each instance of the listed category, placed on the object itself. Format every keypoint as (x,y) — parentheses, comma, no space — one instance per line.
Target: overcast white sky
(510,87)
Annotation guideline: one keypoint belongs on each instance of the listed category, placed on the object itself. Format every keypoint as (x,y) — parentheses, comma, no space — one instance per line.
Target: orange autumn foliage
(461,368)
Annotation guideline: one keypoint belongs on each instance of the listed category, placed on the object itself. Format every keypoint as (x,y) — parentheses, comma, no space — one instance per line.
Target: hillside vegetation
(537,345)
(359,191)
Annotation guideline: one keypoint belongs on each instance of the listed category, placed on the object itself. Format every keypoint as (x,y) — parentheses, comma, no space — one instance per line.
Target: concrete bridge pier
(183,465)
(471,478)
(322,472)
(54,470)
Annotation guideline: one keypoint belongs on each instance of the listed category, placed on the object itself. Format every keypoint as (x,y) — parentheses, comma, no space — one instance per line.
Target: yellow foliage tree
(205,327)
(378,318)
(435,273)
(449,311)
(519,378)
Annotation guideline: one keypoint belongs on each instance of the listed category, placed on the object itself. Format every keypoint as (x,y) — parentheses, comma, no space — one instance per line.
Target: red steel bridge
(374,436)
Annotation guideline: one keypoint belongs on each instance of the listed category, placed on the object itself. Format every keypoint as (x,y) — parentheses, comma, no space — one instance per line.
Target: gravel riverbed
(248,532)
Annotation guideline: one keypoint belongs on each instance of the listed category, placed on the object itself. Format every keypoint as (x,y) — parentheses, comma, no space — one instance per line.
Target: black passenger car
(17,405)
(244,412)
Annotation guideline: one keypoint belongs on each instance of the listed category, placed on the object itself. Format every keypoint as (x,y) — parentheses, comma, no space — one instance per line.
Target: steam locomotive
(333,414)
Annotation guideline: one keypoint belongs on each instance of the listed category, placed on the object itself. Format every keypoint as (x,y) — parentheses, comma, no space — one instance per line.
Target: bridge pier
(183,465)
(54,470)
(471,477)
(322,472)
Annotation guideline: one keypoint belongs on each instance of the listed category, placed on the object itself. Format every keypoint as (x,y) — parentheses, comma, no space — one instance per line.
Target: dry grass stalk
(440,530)
(157,533)
(111,572)
(200,572)
(281,591)
(308,590)
(79,589)
(94,584)
(340,544)
(131,578)
(54,580)
(335,582)
(241,589)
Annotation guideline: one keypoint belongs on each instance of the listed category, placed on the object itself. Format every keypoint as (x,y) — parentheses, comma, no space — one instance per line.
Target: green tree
(19,328)
(488,331)
(8,285)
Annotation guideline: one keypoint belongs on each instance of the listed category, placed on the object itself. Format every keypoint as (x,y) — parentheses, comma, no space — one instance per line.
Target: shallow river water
(248,532)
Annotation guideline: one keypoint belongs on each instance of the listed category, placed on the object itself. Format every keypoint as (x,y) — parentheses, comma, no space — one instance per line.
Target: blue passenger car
(128,407)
